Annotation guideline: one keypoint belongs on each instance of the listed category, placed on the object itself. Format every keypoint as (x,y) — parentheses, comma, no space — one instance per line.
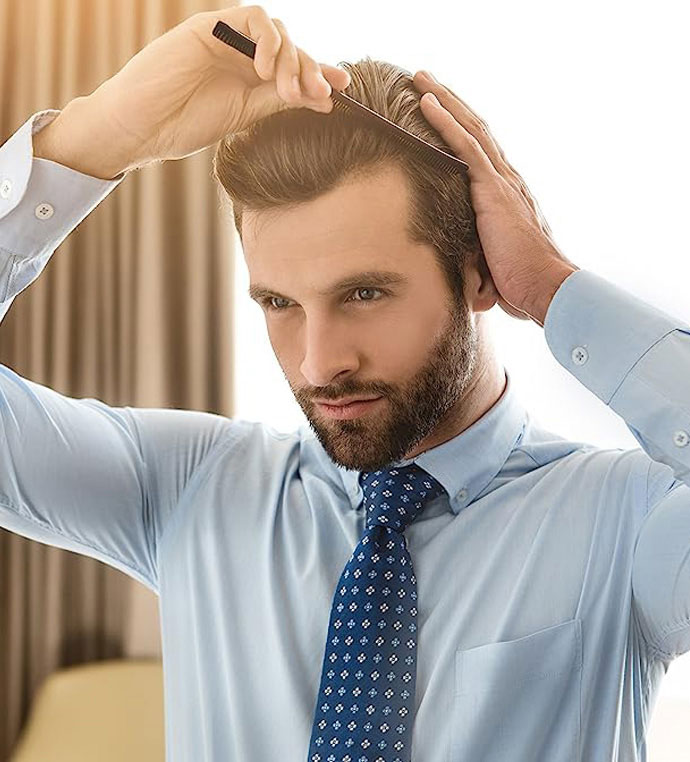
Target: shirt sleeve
(76,473)
(636,359)
(41,202)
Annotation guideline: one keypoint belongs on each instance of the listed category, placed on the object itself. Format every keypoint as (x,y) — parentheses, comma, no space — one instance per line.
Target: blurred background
(145,303)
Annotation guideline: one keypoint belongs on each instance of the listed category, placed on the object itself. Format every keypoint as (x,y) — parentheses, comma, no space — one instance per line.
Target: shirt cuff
(42,201)
(598,331)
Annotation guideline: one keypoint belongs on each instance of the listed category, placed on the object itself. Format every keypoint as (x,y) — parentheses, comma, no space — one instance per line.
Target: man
(427,576)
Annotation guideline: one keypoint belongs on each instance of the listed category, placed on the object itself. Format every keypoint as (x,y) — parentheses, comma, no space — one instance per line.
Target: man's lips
(349,410)
(346,401)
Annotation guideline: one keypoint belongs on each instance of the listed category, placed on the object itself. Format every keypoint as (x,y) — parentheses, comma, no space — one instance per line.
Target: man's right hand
(185,91)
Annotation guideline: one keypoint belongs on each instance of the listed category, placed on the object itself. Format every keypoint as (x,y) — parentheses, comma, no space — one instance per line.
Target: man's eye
(367,289)
(269,301)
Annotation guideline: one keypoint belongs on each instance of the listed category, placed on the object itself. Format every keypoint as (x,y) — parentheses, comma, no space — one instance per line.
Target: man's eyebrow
(366,278)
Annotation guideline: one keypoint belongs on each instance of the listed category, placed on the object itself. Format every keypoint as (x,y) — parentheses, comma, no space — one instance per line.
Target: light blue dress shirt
(553,578)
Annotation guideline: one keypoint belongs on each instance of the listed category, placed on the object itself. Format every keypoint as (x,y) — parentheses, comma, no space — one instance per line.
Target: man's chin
(350,443)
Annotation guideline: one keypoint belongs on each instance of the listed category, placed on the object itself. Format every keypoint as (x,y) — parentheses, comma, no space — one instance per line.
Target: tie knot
(394,497)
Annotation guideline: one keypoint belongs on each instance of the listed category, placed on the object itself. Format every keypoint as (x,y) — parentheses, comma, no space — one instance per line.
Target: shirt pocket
(519,700)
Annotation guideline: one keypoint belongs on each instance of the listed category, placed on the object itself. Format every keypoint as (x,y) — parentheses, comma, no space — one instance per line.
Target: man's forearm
(79,138)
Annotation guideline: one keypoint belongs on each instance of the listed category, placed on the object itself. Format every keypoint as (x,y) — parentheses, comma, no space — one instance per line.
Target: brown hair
(297,154)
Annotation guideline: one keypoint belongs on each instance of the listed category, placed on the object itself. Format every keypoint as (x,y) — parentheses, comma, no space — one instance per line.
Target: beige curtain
(134,308)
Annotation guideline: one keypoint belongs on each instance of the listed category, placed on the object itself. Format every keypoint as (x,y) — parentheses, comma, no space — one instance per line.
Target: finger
(314,74)
(476,126)
(268,41)
(317,82)
(463,143)
(465,117)
(315,86)
(479,129)
(287,74)
(471,121)
(339,78)
(467,147)
(464,114)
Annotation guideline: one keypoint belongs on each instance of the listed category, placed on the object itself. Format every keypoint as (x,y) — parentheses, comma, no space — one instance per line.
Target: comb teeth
(441,160)
(438,158)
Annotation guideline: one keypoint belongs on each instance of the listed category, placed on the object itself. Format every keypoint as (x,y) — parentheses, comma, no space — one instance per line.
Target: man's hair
(297,154)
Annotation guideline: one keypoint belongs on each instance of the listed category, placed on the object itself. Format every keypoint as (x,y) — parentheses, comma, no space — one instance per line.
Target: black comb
(435,156)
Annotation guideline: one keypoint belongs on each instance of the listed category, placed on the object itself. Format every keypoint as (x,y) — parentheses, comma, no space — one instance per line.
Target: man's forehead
(357,211)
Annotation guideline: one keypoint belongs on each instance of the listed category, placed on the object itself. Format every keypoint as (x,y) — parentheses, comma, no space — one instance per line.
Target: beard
(408,413)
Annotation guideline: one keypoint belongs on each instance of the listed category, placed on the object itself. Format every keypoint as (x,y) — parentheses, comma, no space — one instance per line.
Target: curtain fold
(134,308)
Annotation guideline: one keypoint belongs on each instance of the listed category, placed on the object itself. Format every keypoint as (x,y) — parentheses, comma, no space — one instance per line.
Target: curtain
(134,308)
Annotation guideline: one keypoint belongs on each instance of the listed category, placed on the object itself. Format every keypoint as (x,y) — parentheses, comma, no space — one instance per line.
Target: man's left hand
(524,262)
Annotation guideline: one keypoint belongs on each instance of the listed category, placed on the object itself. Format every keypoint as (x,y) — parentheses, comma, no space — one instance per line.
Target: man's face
(404,340)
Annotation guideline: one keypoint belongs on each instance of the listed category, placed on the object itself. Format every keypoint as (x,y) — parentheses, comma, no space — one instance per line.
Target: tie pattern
(365,707)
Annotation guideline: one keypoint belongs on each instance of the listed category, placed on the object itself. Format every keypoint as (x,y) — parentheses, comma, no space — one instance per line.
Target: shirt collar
(467,463)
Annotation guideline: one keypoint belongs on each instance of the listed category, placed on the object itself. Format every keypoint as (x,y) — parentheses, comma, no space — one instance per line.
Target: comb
(430,153)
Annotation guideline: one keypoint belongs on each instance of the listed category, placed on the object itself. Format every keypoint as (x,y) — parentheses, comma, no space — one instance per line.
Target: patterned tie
(364,711)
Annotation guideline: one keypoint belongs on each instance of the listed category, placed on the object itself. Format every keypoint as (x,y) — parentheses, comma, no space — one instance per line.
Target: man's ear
(480,290)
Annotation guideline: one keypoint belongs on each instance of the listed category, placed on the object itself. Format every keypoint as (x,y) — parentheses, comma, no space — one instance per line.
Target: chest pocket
(519,700)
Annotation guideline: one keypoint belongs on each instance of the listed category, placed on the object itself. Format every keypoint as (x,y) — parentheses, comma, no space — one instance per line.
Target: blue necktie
(365,707)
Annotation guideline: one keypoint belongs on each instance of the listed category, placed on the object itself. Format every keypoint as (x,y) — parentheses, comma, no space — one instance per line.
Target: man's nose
(329,351)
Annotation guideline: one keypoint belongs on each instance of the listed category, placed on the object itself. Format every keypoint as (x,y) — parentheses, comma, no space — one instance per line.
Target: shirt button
(44,211)
(5,187)
(579,355)
(462,495)
(681,438)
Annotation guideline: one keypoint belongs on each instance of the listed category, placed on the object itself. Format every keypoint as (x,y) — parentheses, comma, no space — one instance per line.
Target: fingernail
(295,84)
(432,99)
(429,76)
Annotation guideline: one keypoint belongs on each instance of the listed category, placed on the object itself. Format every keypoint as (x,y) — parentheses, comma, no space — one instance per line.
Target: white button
(462,494)
(579,355)
(681,438)
(44,211)
(5,187)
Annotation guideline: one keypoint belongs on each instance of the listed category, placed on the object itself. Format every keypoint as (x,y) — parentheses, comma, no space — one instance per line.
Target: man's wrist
(549,282)
(77,138)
